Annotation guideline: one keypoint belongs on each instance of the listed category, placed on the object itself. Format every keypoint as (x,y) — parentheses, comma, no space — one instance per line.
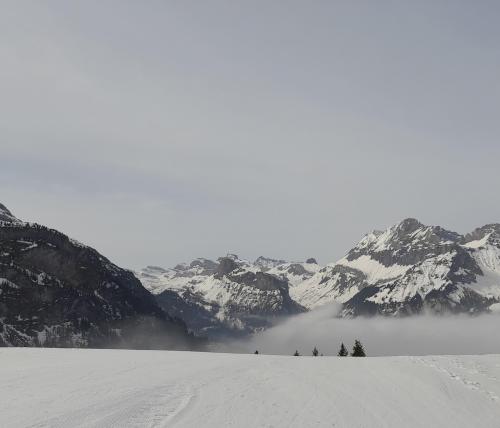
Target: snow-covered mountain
(407,269)
(410,268)
(55,291)
(230,296)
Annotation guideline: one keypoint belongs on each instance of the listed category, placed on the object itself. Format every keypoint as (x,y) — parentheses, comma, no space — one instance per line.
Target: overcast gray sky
(163,131)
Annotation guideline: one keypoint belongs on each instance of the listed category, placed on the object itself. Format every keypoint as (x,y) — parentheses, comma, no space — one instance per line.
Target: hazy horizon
(166,131)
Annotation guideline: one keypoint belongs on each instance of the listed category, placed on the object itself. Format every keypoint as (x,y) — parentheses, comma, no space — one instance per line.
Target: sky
(162,131)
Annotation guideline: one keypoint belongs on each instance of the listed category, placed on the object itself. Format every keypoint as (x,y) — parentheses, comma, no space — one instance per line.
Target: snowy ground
(104,388)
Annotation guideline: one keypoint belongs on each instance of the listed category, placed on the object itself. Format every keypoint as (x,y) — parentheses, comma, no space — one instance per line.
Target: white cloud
(420,335)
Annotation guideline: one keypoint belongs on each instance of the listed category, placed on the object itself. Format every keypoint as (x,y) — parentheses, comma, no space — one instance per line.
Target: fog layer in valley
(418,335)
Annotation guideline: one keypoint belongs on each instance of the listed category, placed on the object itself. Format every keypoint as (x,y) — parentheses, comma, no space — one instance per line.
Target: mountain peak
(411,228)
(226,265)
(407,236)
(267,262)
(203,263)
(6,215)
(490,228)
(409,225)
(489,232)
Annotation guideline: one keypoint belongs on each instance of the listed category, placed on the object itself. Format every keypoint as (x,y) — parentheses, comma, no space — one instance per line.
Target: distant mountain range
(230,296)
(407,269)
(57,292)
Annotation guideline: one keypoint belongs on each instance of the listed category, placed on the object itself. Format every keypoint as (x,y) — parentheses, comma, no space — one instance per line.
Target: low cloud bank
(418,335)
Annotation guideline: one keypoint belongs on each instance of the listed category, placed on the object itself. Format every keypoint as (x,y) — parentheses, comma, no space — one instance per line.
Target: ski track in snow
(117,388)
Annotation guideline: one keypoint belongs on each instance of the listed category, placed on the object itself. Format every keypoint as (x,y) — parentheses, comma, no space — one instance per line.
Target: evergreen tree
(256,352)
(296,354)
(358,350)
(315,352)
(343,351)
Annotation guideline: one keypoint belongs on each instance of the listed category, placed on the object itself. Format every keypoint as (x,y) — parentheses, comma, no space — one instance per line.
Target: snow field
(118,388)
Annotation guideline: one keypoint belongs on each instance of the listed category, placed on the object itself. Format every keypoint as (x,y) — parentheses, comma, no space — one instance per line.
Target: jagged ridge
(410,268)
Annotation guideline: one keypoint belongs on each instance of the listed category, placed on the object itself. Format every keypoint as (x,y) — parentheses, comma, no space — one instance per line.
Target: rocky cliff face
(55,291)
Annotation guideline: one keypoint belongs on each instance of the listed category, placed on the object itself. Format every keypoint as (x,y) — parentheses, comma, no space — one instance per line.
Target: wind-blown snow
(111,388)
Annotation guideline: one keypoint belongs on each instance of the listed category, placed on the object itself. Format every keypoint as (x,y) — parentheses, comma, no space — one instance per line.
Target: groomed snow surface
(115,388)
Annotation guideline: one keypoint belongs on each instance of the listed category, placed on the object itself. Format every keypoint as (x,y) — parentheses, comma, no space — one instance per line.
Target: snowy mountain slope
(109,388)
(55,291)
(295,272)
(411,267)
(484,246)
(230,296)
(404,270)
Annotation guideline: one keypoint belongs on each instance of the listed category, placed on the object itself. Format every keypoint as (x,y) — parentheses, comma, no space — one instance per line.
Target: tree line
(358,350)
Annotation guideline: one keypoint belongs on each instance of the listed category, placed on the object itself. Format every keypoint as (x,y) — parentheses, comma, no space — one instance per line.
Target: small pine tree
(296,354)
(256,352)
(315,352)
(343,351)
(358,350)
